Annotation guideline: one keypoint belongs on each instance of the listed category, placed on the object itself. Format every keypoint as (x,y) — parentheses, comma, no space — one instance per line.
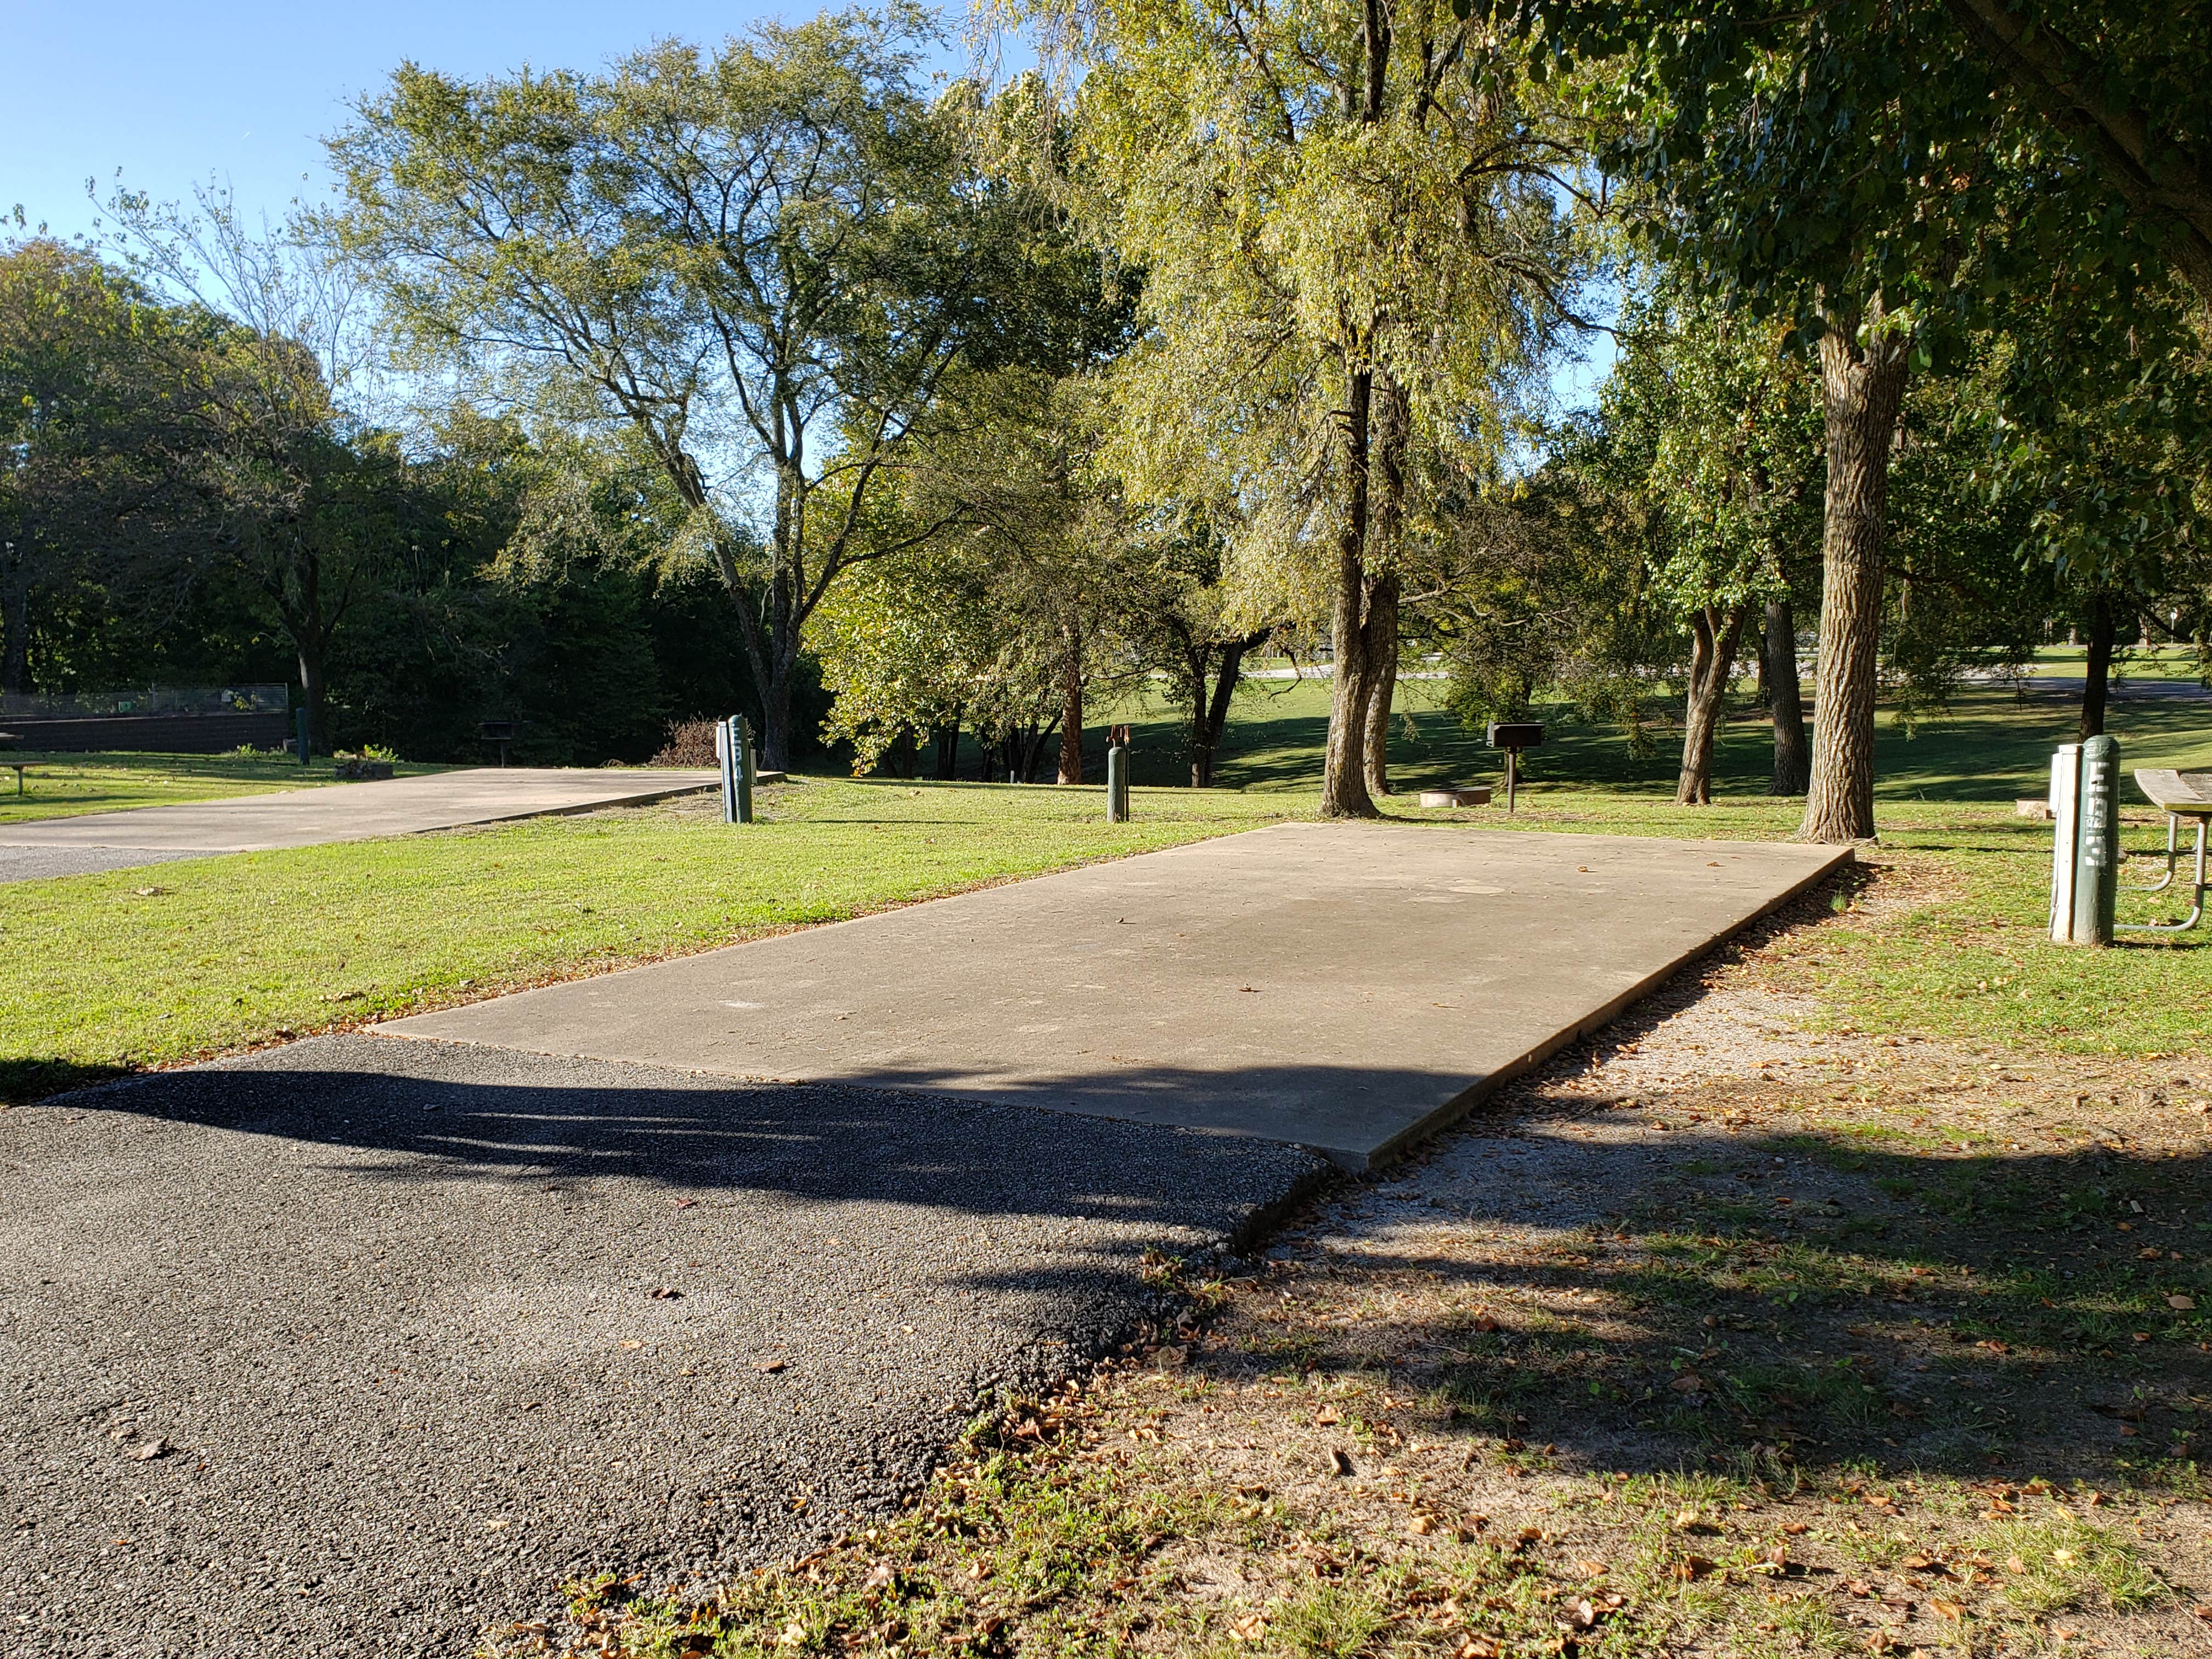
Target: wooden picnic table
(2180,795)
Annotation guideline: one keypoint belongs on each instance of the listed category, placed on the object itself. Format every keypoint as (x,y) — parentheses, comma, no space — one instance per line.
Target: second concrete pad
(1343,987)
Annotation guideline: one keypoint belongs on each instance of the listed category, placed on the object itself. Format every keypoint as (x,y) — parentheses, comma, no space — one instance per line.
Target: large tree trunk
(775,719)
(1212,719)
(947,739)
(1382,655)
(1344,767)
(1861,387)
(1715,633)
(1793,757)
(1070,703)
(2097,671)
(311,692)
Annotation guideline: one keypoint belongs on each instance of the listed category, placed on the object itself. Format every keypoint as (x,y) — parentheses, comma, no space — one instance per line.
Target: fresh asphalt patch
(357,1346)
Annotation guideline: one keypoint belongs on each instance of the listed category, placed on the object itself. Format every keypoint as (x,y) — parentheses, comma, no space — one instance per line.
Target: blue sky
(172,93)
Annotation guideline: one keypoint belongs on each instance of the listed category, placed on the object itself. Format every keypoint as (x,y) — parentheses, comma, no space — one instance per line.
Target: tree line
(767,373)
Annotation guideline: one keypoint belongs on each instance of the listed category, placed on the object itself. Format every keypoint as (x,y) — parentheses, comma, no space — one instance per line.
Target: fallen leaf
(667,1293)
(1339,1464)
(770,1365)
(1685,1520)
(493,1526)
(2014,1563)
(2181,1303)
(685,1203)
(1486,1323)
(794,1635)
(2063,1558)
(1593,1569)
(1328,1414)
(1250,1628)
(153,1449)
(1795,1528)
(1919,1563)
(633,1345)
(1691,1567)
(1580,1615)
(2096,1500)
(1688,1382)
(1477,1647)
(1421,1526)
(881,1576)
(1858,1587)
(1952,1610)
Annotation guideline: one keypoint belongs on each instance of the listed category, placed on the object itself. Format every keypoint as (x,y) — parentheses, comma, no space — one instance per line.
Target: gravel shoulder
(353,1346)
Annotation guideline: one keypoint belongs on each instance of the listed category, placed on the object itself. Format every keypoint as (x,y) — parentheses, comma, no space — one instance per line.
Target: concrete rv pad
(338,811)
(1347,987)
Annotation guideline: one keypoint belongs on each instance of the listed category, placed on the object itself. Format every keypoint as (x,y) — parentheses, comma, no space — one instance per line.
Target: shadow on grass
(1805,1298)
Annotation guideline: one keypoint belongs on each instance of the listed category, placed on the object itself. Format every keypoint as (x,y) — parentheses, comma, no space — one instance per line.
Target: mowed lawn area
(65,786)
(166,963)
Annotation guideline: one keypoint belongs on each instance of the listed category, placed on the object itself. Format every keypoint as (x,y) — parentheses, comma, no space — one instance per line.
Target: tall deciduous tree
(1349,227)
(765,259)
(1880,176)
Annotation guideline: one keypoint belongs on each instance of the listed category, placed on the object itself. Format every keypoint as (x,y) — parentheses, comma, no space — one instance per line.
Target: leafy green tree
(1710,425)
(1864,174)
(1350,228)
(764,259)
(84,417)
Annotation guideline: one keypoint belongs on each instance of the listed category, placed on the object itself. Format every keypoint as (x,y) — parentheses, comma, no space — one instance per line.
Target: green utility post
(1117,784)
(301,723)
(2097,845)
(734,747)
(741,737)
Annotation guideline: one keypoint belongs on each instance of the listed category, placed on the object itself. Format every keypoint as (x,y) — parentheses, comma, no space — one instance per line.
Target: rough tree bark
(1715,631)
(1344,768)
(1209,716)
(1391,432)
(947,739)
(2097,670)
(1793,757)
(1862,385)
(1344,792)
(1071,702)
(1383,684)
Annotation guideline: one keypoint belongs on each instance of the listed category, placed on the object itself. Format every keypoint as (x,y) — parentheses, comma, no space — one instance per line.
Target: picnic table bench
(8,740)
(2180,795)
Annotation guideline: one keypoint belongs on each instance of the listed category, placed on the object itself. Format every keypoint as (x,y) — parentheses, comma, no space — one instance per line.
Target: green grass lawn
(102,974)
(63,786)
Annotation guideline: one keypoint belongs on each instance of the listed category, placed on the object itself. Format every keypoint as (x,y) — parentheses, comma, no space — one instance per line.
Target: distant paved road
(388,1312)
(308,818)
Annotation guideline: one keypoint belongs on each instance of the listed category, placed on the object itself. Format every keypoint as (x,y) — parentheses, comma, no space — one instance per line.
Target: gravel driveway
(355,1346)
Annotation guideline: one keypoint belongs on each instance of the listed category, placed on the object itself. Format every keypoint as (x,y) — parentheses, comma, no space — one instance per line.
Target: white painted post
(2066,828)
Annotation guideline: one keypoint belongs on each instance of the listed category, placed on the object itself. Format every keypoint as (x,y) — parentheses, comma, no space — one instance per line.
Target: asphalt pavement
(90,842)
(359,1345)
